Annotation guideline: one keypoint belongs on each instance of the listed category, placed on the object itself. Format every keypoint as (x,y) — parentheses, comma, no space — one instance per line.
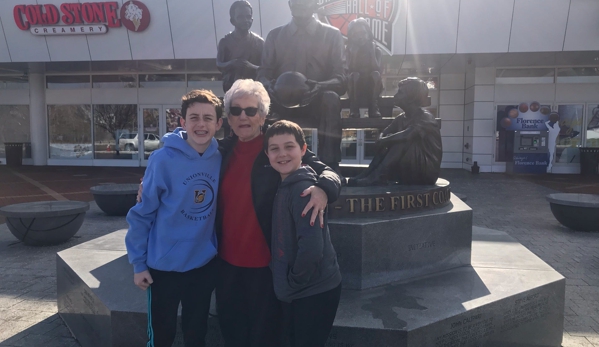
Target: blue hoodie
(172,229)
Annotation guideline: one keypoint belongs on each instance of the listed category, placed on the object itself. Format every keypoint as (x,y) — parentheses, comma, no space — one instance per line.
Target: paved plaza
(514,204)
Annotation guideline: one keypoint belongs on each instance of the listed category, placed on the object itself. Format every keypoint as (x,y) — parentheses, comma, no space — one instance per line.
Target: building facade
(98,83)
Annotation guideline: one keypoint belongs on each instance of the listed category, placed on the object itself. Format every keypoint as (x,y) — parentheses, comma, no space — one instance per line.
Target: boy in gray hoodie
(304,263)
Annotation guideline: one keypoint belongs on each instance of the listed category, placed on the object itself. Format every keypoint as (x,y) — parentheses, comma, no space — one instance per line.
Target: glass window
(199,80)
(14,127)
(309,135)
(173,116)
(370,137)
(71,66)
(124,66)
(151,120)
(349,145)
(14,82)
(13,68)
(578,75)
(161,65)
(70,131)
(114,81)
(67,82)
(162,81)
(570,136)
(592,127)
(525,76)
(202,65)
(112,122)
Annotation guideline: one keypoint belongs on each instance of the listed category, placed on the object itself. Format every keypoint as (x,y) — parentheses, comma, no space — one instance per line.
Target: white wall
(451,112)
(184,29)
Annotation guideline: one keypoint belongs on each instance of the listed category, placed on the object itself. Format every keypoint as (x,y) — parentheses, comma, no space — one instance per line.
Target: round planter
(45,222)
(115,199)
(576,211)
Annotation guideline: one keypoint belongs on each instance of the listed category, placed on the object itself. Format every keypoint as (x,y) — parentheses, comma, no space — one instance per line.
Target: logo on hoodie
(199,206)
(199,196)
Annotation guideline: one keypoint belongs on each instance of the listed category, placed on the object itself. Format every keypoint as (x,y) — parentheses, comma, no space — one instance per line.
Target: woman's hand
(318,204)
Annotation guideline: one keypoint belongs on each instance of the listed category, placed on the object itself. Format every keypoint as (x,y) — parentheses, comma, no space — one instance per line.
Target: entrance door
(154,122)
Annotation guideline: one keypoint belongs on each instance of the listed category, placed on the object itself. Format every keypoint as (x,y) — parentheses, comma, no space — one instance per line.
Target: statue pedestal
(427,279)
(377,250)
(507,297)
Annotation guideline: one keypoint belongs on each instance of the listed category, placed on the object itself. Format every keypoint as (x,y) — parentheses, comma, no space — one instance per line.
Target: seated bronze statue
(409,151)
(314,51)
(363,69)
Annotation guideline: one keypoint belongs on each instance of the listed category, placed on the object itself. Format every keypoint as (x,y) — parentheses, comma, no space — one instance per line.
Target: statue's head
(412,91)
(241,13)
(358,32)
(303,9)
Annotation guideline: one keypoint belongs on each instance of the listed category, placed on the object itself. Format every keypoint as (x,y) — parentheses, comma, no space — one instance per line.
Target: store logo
(81,18)
(135,16)
(380,14)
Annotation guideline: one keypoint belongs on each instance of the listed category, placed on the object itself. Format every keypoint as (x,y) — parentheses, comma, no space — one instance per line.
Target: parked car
(129,142)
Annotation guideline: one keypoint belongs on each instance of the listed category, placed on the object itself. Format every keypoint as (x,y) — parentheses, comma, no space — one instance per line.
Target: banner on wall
(380,14)
(525,116)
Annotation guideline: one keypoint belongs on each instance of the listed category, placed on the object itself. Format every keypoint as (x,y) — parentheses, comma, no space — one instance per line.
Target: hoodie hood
(178,141)
(304,173)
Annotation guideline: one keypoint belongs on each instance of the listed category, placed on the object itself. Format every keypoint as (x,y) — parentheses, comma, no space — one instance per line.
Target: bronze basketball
(523,108)
(290,88)
(534,106)
(513,113)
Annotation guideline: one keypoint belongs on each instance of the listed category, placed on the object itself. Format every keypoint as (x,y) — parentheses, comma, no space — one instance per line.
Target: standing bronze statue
(364,69)
(409,150)
(314,50)
(240,51)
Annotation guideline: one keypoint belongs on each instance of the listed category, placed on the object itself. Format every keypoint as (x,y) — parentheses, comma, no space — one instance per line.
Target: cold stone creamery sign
(380,14)
(87,18)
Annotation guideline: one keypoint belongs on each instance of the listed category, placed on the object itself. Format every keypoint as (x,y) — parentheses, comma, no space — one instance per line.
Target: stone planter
(576,211)
(45,222)
(115,199)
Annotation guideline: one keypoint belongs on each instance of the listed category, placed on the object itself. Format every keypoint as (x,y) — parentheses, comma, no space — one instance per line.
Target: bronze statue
(409,151)
(315,50)
(240,51)
(364,69)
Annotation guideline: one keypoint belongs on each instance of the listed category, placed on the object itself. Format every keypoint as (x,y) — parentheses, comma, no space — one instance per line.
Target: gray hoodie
(304,262)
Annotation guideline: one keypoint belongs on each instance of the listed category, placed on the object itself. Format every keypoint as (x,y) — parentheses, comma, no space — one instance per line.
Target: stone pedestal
(506,297)
(377,251)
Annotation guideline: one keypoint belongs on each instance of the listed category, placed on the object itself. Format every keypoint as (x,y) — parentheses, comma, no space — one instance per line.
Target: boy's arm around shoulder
(142,216)
(328,179)
(310,243)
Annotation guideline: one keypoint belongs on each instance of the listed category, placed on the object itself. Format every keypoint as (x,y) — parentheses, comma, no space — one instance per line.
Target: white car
(129,142)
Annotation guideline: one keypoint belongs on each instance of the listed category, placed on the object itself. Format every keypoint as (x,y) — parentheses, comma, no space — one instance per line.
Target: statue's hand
(241,63)
(315,89)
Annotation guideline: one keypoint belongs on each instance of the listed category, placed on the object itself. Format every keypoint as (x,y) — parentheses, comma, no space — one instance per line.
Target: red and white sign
(87,18)
(380,14)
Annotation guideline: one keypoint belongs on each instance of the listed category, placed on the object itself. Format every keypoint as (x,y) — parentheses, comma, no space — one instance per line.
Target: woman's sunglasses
(249,111)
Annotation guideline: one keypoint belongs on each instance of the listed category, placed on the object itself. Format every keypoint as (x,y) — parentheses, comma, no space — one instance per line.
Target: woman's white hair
(243,88)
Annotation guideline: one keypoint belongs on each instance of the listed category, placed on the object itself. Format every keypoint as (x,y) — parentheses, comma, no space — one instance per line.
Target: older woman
(248,310)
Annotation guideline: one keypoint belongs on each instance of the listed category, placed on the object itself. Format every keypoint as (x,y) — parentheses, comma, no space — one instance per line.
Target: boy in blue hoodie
(171,240)
(304,265)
